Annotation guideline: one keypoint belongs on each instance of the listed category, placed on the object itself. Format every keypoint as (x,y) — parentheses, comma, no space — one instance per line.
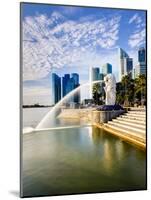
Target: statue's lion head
(110,79)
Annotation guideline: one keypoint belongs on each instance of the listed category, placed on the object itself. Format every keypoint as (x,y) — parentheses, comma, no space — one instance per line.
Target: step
(131,120)
(132,117)
(135,115)
(133,111)
(138,113)
(136,130)
(131,124)
(138,109)
(141,137)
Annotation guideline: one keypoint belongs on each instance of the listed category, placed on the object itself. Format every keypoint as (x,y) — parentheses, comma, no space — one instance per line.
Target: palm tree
(119,93)
(131,91)
(96,93)
(140,88)
(126,83)
(125,91)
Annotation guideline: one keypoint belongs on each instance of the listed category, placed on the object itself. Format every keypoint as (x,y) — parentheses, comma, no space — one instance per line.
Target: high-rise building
(101,76)
(95,73)
(65,80)
(141,66)
(141,55)
(106,69)
(55,88)
(140,69)
(75,77)
(128,66)
(125,64)
(134,73)
(69,84)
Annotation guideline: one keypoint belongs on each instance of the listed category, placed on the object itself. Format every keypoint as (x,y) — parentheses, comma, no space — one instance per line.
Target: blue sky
(71,39)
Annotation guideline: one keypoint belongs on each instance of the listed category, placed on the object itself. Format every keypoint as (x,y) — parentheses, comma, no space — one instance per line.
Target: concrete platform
(130,126)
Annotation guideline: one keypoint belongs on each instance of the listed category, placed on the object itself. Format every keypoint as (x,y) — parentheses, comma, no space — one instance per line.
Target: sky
(67,39)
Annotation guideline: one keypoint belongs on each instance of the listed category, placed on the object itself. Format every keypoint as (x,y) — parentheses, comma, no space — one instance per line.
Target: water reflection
(119,146)
(108,157)
(80,160)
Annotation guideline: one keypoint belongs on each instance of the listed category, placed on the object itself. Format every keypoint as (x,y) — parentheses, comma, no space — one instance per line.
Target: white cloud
(138,37)
(135,19)
(98,61)
(70,10)
(55,42)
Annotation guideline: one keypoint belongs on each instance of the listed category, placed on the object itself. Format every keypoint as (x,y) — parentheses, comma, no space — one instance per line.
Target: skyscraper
(140,69)
(128,66)
(106,69)
(125,64)
(95,73)
(101,76)
(141,66)
(69,84)
(55,88)
(75,77)
(65,80)
(141,55)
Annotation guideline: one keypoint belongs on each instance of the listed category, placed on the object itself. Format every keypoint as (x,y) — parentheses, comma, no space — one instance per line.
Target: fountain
(45,122)
(48,120)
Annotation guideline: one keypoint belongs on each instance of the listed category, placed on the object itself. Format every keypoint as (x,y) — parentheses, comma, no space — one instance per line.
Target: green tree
(131,91)
(119,93)
(96,93)
(140,89)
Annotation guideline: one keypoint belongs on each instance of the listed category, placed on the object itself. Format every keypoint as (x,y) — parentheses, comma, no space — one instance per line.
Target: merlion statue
(110,89)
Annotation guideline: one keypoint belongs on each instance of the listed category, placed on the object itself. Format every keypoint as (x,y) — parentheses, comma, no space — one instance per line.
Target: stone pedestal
(105,116)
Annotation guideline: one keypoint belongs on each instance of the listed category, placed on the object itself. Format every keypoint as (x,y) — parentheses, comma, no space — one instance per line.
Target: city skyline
(61,86)
(80,38)
(98,73)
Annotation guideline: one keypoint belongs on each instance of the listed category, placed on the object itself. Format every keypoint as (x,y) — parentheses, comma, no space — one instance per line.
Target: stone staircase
(131,124)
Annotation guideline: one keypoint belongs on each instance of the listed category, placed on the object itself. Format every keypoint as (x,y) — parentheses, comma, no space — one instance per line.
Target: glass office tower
(56,88)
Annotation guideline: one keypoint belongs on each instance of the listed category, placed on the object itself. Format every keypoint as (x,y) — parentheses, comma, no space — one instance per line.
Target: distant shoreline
(36,106)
